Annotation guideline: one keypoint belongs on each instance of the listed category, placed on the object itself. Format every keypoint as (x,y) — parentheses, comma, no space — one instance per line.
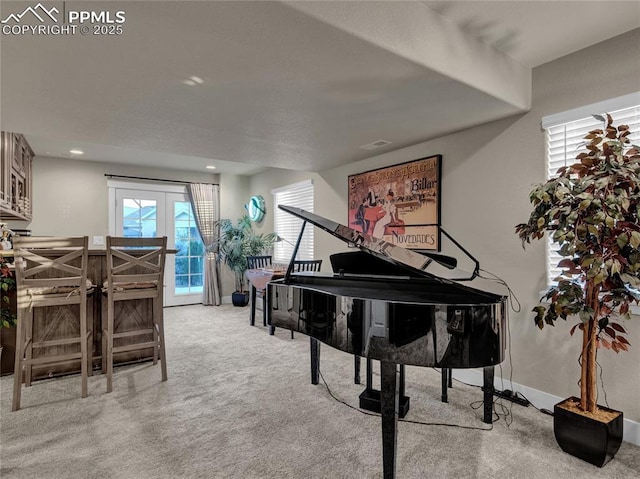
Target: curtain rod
(157,179)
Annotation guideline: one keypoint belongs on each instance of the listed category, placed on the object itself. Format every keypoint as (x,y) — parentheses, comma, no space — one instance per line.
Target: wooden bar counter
(59,322)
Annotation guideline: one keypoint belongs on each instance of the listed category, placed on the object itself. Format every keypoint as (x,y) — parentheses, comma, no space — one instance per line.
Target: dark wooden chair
(135,270)
(51,273)
(306,265)
(255,262)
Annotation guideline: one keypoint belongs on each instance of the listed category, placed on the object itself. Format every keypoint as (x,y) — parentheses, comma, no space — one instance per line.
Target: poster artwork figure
(361,213)
(389,216)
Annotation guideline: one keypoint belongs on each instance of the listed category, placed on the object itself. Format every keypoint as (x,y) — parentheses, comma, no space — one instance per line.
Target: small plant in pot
(8,317)
(592,211)
(237,241)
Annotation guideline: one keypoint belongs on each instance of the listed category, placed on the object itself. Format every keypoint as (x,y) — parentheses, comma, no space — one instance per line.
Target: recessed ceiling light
(76,152)
(211,167)
(193,81)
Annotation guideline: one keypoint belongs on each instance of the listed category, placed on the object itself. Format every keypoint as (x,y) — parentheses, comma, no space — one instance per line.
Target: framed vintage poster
(399,203)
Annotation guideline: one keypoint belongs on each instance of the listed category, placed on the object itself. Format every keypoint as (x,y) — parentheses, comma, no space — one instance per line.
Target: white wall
(234,193)
(488,172)
(70,196)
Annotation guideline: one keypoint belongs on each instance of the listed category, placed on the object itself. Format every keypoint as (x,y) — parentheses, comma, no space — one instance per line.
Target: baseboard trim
(540,399)
(226,300)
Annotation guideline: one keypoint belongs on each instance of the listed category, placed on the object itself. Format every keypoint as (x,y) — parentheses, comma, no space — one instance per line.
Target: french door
(140,210)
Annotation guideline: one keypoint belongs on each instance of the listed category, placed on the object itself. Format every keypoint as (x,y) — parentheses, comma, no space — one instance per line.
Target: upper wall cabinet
(16,158)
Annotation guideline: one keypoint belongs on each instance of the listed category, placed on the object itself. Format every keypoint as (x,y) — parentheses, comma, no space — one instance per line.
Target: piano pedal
(370,401)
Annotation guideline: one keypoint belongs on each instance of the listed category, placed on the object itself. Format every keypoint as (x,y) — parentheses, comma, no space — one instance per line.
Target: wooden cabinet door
(6,158)
(17,163)
(16,160)
(17,192)
(27,161)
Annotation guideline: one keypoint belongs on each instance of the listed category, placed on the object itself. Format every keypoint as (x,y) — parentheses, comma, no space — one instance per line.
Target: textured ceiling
(297,85)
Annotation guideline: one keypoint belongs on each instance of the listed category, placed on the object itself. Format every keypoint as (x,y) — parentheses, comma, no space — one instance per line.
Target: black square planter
(586,438)
(240,299)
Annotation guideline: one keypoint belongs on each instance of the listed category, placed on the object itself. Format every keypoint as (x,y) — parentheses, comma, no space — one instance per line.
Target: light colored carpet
(239,404)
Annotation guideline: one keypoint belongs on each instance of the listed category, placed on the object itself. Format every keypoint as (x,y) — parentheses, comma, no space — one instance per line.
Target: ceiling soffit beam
(414,31)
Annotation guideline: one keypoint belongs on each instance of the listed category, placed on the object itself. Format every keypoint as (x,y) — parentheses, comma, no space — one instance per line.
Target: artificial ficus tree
(592,211)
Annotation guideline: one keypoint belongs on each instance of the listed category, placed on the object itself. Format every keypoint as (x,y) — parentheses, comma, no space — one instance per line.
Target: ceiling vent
(375,145)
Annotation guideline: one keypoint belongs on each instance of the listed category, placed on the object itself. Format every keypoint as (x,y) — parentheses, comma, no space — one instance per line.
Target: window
(288,226)
(565,140)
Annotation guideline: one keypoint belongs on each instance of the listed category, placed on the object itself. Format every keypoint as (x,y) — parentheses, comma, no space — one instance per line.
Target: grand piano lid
(413,261)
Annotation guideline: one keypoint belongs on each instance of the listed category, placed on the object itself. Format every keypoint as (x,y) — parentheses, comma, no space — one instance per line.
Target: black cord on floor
(497,404)
(344,402)
(368,413)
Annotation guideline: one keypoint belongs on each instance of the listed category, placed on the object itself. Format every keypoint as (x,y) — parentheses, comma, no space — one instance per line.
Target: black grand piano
(398,306)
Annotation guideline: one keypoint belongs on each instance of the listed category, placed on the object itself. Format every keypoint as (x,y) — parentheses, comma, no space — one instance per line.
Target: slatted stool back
(135,271)
(51,273)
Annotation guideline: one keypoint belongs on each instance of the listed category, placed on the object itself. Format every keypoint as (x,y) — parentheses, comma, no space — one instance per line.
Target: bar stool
(255,262)
(51,272)
(135,270)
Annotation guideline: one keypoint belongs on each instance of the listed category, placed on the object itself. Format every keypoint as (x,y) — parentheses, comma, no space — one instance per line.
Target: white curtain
(205,201)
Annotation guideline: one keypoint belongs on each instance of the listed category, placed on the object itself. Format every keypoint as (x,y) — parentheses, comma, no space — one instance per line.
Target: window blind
(288,226)
(565,141)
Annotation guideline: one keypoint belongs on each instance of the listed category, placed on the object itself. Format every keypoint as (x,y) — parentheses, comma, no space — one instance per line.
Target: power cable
(368,413)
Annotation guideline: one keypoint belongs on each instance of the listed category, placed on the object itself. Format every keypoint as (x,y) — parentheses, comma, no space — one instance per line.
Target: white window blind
(288,226)
(566,140)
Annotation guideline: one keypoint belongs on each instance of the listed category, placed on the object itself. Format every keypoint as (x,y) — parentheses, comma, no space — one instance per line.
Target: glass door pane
(140,214)
(184,272)
(140,218)
(189,258)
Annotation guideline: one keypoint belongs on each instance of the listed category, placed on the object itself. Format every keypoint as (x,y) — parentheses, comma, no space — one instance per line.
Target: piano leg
(445,394)
(447,382)
(389,397)
(402,383)
(488,394)
(356,369)
(315,359)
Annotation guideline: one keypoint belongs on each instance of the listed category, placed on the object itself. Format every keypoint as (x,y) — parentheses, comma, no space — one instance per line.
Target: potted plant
(592,211)
(235,244)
